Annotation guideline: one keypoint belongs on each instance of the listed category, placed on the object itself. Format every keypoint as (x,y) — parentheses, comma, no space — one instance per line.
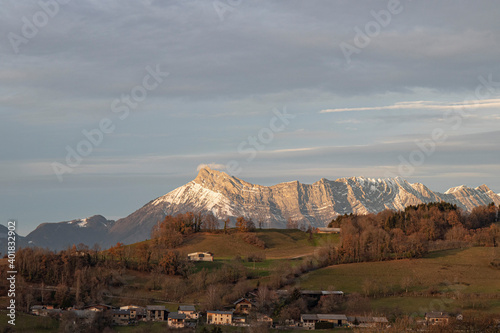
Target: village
(242,313)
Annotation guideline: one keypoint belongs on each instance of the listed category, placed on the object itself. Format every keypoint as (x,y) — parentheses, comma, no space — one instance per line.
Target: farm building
(201,256)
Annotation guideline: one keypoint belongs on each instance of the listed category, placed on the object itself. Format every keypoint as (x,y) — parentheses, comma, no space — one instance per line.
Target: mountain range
(227,196)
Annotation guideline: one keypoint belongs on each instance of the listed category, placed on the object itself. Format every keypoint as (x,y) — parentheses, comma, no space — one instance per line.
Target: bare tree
(213,297)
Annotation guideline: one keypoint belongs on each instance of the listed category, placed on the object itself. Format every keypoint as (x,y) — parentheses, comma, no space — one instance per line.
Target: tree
(244,225)
(211,223)
(144,256)
(227,222)
(213,297)
(291,224)
(358,304)
(167,233)
(406,283)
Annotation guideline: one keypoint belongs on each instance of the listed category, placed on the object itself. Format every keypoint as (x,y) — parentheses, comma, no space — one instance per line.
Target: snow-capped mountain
(226,196)
(314,204)
(58,236)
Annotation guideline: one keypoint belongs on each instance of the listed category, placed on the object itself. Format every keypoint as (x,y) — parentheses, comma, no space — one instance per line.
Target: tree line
(410,233)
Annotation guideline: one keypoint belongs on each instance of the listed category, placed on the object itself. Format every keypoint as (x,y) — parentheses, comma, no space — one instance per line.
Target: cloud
(213,165)
(424,105)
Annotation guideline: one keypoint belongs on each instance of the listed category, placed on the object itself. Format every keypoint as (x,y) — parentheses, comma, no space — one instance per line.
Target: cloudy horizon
(106,106)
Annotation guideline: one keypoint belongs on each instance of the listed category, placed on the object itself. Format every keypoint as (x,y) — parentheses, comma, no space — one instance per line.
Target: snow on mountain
(316,204)
(226,196)
(58,236)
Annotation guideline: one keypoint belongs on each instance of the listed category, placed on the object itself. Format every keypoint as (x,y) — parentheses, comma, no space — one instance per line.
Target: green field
(464,270)
(280,243)
(28,323)
(443,280)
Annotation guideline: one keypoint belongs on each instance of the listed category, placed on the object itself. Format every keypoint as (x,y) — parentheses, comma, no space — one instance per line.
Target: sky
(106,105)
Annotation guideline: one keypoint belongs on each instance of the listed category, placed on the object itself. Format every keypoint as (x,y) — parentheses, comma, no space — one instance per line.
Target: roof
(197,253)
(321,292)
(176,315)
(156,307)
(324,229)
(314,316)
(436,314)
(121,312)
(331,317)
(242,300)
(367,319)
(309,317)
(99,306)
(126,307)
(186,308)
(380,319)
(220,312)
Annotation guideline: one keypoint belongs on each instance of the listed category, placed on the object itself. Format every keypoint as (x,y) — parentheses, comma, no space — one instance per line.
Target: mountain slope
(58,236)
(314,204)
(4,234)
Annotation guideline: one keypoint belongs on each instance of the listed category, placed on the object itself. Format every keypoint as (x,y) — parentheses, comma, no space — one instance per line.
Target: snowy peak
(98,221)
(456,189)
(484,188)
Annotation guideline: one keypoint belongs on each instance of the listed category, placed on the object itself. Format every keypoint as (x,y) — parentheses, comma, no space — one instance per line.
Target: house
(201,256)
(328,230)
(243,306)
(121,317)
(45,311)
(189,311)
(262,318)
(320,293)
(37,310)
(309,321)
(156,313)
(136,312)
(239,320)
(176,320)
(220,317)
(98,307)
(367,322)
(437,318)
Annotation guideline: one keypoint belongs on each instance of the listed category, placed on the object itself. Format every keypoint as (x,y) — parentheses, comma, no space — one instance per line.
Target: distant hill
(280,243)
(227,196)
(58,236)
(20,240)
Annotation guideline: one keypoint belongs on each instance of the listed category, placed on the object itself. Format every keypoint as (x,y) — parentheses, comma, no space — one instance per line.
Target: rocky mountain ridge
(315,204)
(227,196)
